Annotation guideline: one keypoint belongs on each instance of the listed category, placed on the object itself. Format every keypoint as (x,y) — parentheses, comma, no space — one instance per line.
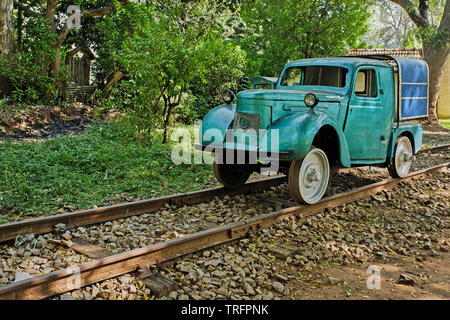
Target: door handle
(381,91)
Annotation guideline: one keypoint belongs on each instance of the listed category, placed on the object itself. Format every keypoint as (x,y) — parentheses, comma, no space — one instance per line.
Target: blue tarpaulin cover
(413,88)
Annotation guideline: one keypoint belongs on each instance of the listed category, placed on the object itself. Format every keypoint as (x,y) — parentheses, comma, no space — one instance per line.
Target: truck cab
(322,113)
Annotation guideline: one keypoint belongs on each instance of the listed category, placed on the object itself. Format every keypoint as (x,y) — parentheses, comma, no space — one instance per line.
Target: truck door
(366,120)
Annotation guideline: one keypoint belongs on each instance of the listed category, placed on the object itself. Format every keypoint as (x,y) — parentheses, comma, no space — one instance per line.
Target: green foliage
(221,64)
(280,31)
(108,35)
(170,66)
(160,62)
(434,37)
(177,57)
(445,123)
(28,70)
(108,164)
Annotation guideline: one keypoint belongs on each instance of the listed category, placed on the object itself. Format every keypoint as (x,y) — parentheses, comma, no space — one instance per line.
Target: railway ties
(126,262)
(116,265)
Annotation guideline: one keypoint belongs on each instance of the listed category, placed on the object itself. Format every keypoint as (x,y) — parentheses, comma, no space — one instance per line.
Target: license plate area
(246,121)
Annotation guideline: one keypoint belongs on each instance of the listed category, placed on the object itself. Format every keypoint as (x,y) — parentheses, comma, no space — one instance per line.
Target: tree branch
(414,13)
(445,21)
(62,34)
(423,8)
(97,12)
(51,9)
(27,10)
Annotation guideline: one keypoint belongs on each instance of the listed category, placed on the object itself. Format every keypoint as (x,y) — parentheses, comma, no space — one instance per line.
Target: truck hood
(292,95)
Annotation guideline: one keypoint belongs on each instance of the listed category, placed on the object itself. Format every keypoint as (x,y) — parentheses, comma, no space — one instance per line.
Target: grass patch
(445,123)
(109,163)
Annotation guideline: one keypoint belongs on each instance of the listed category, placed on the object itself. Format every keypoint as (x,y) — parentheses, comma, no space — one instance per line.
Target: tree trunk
(6,29)
(435,57)
(167,116)
(56,67)
(6,39)
(166,129)
(19,29)
(436,45)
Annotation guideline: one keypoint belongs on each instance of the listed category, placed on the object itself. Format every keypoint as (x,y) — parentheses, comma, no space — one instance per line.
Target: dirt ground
(435,135)
(41,122)
(422,274)
(431,281)
(428,280)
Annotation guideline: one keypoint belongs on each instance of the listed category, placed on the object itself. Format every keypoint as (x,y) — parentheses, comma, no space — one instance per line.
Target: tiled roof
(405,53)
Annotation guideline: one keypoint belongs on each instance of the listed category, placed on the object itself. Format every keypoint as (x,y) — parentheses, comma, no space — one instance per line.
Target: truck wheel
(232,176)
(308,177)
(400,164)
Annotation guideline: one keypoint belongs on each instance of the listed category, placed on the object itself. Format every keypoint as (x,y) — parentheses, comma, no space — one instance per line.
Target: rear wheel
(309,177)
(400,164)
(232,176)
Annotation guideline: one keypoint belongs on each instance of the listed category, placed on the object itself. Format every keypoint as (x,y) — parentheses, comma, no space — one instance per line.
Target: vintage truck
(326,113)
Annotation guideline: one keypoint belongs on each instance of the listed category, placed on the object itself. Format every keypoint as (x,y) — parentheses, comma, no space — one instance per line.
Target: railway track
(74,219)
(111,266)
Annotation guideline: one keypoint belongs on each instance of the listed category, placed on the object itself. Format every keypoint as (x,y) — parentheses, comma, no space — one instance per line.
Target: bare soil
(42,122)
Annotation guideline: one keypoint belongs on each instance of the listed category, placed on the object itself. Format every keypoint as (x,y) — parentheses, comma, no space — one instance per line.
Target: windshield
(329,76)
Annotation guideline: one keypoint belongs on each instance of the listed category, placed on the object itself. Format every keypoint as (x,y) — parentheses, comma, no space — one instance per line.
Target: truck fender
(215,124)
(413,132)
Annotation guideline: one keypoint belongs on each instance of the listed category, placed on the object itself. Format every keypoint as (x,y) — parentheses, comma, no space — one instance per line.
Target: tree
(55,12)
(6,29)
(280,31)
(172,56)
(390,27)
(435,42)
(6,38)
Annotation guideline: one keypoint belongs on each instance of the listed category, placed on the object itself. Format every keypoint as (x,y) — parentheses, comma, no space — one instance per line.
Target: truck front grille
(246,121)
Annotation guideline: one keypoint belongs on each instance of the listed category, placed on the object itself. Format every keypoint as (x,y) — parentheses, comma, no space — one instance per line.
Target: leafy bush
(171,71)
(28,70)
(222,64)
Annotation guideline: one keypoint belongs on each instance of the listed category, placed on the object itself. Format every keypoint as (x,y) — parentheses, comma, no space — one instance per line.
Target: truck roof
(339,61)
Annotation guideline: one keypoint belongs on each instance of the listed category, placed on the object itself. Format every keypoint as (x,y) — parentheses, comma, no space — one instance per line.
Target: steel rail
(434,149)
(61,281)
(78,218)
(40,225)
(74,219)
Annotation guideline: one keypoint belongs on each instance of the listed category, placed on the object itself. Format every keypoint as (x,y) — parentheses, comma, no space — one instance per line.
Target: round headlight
(228,96)
(311,100)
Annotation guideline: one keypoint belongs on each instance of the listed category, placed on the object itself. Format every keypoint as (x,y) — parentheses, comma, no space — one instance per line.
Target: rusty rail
(74,219)
(434,149)
(61,281)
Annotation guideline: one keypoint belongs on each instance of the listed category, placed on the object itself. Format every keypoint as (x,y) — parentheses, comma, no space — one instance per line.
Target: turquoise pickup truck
(322,113)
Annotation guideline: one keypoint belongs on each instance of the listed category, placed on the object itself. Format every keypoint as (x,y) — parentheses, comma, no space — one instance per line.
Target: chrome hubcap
(314,175)
(403,156)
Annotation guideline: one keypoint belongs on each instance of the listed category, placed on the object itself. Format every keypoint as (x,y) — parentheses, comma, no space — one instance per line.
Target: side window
(292,77)
(366,83)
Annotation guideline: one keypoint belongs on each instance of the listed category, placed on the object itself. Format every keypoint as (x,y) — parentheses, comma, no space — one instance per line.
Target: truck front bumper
(259,155)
